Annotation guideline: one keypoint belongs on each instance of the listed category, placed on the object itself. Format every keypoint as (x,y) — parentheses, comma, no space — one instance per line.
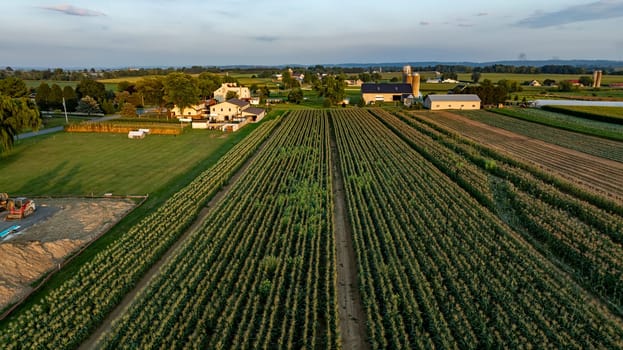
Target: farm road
(351,315)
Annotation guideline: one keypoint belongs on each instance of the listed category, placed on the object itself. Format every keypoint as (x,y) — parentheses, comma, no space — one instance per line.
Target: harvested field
(58,228)
(591,172)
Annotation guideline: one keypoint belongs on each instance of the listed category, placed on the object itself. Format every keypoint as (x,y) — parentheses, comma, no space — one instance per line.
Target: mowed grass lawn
(91,163)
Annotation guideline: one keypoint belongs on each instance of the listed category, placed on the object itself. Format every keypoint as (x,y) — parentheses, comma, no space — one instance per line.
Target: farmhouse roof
(254,110)
(237,102)
(453,97)
(392,88)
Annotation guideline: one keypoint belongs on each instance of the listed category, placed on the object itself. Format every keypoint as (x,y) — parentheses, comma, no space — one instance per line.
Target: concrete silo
(406,72)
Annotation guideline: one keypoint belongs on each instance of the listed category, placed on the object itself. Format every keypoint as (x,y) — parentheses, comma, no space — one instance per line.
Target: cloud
(601,9)
(424,23)
(464,25)
(266,38)
(481,14)
(73,11)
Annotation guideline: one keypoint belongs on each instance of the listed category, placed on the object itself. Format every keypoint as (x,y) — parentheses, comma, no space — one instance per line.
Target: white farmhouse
(220,94)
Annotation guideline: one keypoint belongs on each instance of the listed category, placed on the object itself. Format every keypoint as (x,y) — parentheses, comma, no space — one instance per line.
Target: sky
(141,33)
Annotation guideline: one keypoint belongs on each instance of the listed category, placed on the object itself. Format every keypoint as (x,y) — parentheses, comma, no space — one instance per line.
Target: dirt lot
(58,228)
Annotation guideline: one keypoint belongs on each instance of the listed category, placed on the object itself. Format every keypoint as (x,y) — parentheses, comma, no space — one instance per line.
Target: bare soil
(351,315)
(58,228)
(590,172)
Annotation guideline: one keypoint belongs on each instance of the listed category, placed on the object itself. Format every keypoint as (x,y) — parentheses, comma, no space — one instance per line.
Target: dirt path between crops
(350,309)
(105,326)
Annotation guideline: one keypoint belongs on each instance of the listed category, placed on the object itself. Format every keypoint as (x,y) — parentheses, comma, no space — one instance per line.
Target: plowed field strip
(592,172)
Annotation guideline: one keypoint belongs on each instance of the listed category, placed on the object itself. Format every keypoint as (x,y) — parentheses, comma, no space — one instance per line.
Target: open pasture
(92,163)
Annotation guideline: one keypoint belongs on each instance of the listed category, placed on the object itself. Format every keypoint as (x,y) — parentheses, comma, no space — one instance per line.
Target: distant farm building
(409,88)
(372,93)
(351,82)
(197,111)
(221,93)
(452,101)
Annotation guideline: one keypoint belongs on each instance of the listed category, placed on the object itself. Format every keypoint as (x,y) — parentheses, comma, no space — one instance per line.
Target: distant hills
(589,64)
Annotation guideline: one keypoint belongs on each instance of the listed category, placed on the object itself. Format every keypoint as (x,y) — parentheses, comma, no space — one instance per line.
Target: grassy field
(606,79)
(84,164)
(600,113)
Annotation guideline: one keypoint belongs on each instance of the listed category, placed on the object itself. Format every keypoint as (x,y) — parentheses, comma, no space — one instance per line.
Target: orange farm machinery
(18,208)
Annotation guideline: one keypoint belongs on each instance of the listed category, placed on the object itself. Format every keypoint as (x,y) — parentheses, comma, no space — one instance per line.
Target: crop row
(585,238)
(597,146)
(67,315)
(438,269)
(564,121)
(260,272)
(599,113)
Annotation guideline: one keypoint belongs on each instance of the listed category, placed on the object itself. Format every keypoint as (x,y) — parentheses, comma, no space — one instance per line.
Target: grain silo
(597,79)
(406,72)
(408,79)
(415,85)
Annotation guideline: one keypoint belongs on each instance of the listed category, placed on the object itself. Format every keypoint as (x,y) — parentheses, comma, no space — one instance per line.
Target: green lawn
(90,163)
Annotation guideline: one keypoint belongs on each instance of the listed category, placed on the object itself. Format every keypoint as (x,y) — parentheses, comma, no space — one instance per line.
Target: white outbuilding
(452,101)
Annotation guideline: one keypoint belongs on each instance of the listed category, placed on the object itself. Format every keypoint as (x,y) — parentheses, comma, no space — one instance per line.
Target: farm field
(91,163)
(456,245)
(419,240)
(66,314)
(596,146)
(590,172)
(601,113)
(495,77)
(565,122)
(259,273)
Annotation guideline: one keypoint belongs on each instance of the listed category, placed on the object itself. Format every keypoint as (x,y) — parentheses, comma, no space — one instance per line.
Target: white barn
(452,101)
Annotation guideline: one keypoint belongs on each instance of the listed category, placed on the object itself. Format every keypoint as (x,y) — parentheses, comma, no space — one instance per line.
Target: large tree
(55,100)
(92,88)
(13,87)
(181,90)
(207,83)
(295,95)
(16,114)
(152,90)
(332,89)
(88,105)
(71,99)
(43,96)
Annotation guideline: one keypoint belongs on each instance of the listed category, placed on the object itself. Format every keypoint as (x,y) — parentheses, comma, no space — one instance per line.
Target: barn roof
(237,102)
(254,110)
(453,97)
(390,88)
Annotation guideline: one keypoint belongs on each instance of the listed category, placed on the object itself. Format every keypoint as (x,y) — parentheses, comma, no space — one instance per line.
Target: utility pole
(65,108)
